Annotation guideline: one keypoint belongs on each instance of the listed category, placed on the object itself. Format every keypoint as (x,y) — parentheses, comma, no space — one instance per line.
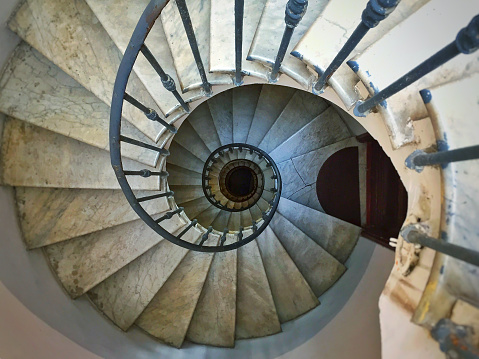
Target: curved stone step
(221,220)
(291,293)
(68,163)
(255,310)
(181,157)
(187,193)
(51,215)
(168,315)
(246,218)
(271,26)
(271,102)
(235,221)
(213,321)
(372,66)
(34,90)
(180,176)
(221,109)
(70,35)
(327,128)
(222,37)
(190,140)
(334,235)
(185,64)
(245,99)
(300,110)
(83,262)
(201,120)
(206,217)
(108,12)
(195,207)
(123,296)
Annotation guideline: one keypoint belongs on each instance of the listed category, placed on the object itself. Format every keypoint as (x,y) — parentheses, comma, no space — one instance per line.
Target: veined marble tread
(334,235)
(181,157)
(291,293)
(168,315)
(69,34)
(222,37)
(255,310)
(186,68)
(234,222)
(320,269)
(327,128)
(187,193)
(51,215)
(178,176)
(201,120)
(110,12)
(377,75)
(206,217)
(83,262)
(189,139)
(123,296)
(71,163)
(300,110)
(271,102)
(221,221)
(34,90)
(213,321)
(271,26)
(195,207)
(245,99)
(221,109)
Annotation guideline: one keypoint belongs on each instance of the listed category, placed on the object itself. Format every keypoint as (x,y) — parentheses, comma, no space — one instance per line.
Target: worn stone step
(181,157)
(372,66)
(300,110)
(189,139)
(123,296)
(255,310)
(213,321)
(187,193)
(34,90)
(184,61)
(221,220)
(246,219)
(221,109)
(270,31)
(168,315)
(291,293)
(271,102)
(235,221)
(51,215)
(178,176)
(327,128)
(334,235)
(70,35)
(195,207)
(83,262)
(108,12)
(222,37)
(206,217)
(339,25)
(320,269)
(245,99)
(68,163)
(201,120)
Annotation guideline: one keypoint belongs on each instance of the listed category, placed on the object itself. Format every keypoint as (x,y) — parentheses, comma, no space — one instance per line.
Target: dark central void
(240,181)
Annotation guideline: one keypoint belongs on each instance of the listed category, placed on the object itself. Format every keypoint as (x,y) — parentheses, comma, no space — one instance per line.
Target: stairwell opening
(240,181)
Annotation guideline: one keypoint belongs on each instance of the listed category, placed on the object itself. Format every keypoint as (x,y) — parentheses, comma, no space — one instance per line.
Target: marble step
(189,139)
(34,90)
(206,217)
(221,109)
(320,269)
(123,296)
(235,221)
(339,19)
(271,102)
(70,163)
(255,310)
(181,157)
(109,12)
(245,99)
(178,176)
(300,110)
(51,215)
(291,293)
(222,37)
(168,315)
(221,221)
(327,128)
(271,26)
(184,61)
(195,207)
(378,74)
(187,193)
(201,120)
(300,173)
(334,235)
(255,212)
(70,35)
(83,262)
(246,218)
(213,322)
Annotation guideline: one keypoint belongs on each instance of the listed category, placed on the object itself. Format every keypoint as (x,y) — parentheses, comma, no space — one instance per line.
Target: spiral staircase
(206,262)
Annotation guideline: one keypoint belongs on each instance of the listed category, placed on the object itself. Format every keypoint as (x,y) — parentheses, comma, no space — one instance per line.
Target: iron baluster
(295,10)
(161,151)
(466,42)
(255,226)
(239,13)
(240,234)
(146,173)
(166,79)
(147,198)
(185,18)
(204,237)
(149,113)
(223,237)
(169,215)
(192,223)
(418,159)
(375,12)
